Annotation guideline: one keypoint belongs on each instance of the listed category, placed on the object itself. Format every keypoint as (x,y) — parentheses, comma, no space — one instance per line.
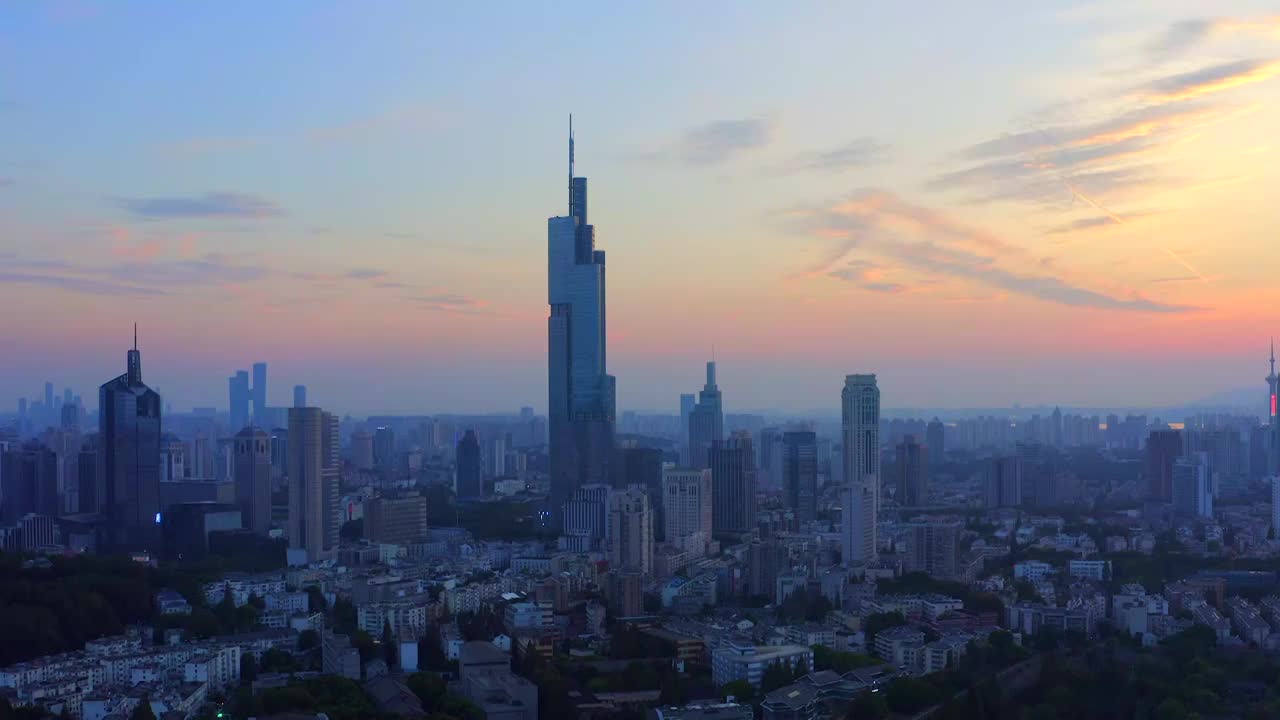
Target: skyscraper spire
(135,336)
(571,164)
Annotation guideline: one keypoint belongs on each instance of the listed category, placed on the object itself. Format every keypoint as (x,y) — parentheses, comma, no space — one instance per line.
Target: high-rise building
(362,450)
(48,398)
(857,524)
(129,457)
(769,459)
(384,450)
(687,403)
(173,458)
(313,482)
(259,395)
(733,487)
(586,519)
(642,466)
(935,437)
(1274,482)
(912,469)
(239,397)
(706,421)
(299,395)
(28,482)
(935,547)
(251,471)
(800,474)
(396,519)
(687,498)
(468,483)
(630,530)
(1193,486)
(1164,447)
(1003,482)
(581,393)
(860,424)
(1273,385)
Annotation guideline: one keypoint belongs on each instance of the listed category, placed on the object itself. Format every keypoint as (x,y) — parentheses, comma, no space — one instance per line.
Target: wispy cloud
(209,205)
(1209,80)
(1186,34)
(366,274)
(87,286)
(1091,223)
(717,142)
(931,244)
(858,153)
(450,302)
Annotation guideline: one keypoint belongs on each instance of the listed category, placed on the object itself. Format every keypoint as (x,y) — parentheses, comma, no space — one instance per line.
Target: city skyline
(1093,199)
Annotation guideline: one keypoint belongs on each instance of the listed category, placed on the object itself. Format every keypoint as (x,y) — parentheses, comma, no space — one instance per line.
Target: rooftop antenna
(135,336)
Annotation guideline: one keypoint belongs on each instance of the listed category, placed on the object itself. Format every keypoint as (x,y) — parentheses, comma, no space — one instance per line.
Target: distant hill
(1253,399)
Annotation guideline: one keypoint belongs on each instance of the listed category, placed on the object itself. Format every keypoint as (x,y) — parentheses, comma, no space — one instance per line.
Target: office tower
(687,403)
(935,547)
(495,457)
(362,450)
(396,519)
(581,393)
(313,482)
(1037,473)
(173,458)
(252,476)
(733,487)
(765,561)
(857,524)
(706,421)
(1193,486)
(1055,428)
(71,417)
(129,457)
(384,450)
(642,466)
(935,440)
(28,482)
(626,593)
(1164,447)
(299,395)
(912,469)
(239,395)
(467,484)
(630,530)
(687,498)
(1003,482)
(860,425)
(259,394)
(800,474)
(769,465)
(1273,385)
(88,491)
(586,519)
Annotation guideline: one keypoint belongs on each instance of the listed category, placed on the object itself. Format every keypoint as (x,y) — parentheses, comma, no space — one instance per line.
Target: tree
(308,639)
(740,690)
(143,711)
(388,645)
(775,676)
(345,618)
(315,599)
(248,668)
(352,529)
(868,706)
(1171,709)
(882,621)
(909,696)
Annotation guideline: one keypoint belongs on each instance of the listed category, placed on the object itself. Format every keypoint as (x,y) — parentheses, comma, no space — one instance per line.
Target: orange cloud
(1217,78)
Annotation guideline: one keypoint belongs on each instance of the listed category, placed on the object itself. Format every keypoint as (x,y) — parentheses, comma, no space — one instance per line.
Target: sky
(984,203)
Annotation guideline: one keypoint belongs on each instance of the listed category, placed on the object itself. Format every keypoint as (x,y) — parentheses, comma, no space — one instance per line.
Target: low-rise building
(743,660)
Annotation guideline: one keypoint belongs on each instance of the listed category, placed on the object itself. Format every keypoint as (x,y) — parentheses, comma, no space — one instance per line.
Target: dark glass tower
(706,422)
(129,458)
(800,474)
(468,483)
(581,393)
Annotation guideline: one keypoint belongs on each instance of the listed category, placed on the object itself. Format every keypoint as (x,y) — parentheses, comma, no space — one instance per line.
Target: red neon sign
(1273,404)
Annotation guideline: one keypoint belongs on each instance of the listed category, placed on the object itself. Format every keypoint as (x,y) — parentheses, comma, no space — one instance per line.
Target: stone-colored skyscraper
(129,458)
(251,471)
(630,530)
(313,482)
(706,422)
(687,500)
(860,421)
(581,393)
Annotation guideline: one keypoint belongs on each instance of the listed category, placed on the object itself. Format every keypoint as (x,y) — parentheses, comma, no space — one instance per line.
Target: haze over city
(1048,203)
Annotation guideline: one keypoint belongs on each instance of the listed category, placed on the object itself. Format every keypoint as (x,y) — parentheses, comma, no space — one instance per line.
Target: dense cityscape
(282,562)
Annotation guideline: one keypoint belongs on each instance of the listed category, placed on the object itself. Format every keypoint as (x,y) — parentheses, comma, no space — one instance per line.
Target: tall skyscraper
(630,528)
(1003,482)
(313,482)
(912,469)
(935,547)
(238,397)
(687,403)
(733,487)
(642,466)
(1193,486)
(28,482)
(129,457)
(260,392)
(299,395)
(581,393)
(468,484)
(800,474)
(1273,384)
(860,422)
(384,450)
(251,471)
(586,519)
(706,421)
(362,450)
(1164,447)
(687,499)
(935,437)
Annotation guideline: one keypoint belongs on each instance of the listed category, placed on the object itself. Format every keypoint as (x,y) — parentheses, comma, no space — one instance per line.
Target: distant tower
(314,469)
(1273,385)
(468,485)
(259,392)
(238,400)
(706,421)
(252,474)
(129,457)
(860,421)
(299,395)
